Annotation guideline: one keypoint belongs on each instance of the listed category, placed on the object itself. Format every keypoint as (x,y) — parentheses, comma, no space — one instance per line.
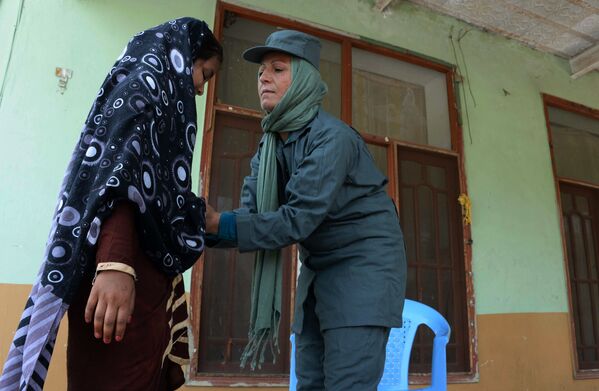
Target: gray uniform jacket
(335,206)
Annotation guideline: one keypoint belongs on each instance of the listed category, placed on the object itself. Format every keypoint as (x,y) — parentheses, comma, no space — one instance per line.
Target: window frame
(347,42)
(430,157)
(577,108)
(250,125)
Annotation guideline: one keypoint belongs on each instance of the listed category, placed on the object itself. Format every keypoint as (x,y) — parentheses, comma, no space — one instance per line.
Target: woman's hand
(111,302)
(212,219)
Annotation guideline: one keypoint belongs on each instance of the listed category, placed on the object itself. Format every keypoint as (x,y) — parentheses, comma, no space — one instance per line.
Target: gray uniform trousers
(338,359)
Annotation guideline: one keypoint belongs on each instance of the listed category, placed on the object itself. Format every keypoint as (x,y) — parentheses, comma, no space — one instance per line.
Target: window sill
(452,378)
(585,374)
(229,380)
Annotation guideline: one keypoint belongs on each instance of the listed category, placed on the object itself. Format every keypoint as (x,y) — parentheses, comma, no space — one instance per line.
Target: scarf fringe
(259,340)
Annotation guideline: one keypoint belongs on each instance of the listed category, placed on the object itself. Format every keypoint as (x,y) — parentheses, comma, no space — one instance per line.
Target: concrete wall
(519,280)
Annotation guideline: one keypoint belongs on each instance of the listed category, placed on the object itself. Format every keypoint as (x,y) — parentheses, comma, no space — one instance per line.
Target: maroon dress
(155,343)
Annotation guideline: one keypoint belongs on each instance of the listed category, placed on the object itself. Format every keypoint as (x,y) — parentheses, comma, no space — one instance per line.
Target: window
(574,139)
(428,188)
(396,100)
(403,107)
(225,305)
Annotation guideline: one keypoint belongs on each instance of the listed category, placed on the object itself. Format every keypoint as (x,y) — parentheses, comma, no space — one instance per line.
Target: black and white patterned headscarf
(136,145)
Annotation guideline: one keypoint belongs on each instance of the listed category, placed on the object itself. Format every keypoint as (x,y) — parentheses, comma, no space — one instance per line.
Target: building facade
(490,147)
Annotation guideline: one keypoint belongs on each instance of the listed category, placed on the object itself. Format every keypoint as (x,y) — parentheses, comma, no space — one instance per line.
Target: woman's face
(274,79)
(203,70)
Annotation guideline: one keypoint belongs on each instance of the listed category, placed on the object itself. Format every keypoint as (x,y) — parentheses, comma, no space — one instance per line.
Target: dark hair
(204,44)
(211,48)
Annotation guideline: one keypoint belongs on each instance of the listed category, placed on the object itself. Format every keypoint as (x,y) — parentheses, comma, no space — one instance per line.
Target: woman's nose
(264,77)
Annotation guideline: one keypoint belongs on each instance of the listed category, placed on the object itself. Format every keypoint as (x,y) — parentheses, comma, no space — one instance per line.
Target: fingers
(91,305)
(111,304)
(109,322)
(131,306)
(121,323)
(99,319)
(124,317)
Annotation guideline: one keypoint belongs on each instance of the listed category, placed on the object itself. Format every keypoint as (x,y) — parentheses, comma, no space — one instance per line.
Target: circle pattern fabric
(136,145)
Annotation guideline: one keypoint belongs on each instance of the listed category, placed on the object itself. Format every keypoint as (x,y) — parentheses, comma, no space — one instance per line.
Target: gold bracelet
(121,267)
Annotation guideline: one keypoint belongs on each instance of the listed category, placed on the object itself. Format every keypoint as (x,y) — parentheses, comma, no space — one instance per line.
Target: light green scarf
(295,110)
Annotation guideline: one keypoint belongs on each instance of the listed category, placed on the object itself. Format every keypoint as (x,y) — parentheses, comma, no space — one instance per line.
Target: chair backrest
(395,376)
(399,347)
(292,378)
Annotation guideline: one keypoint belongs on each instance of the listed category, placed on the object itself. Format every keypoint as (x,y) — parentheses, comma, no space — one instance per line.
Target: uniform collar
(293,136)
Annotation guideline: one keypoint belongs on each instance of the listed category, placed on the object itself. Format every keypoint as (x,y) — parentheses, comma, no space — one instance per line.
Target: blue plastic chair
(292,378)
(395,375)
(399,347)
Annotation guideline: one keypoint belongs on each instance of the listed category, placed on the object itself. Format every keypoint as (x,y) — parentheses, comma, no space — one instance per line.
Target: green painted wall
(517,255)
(8,16)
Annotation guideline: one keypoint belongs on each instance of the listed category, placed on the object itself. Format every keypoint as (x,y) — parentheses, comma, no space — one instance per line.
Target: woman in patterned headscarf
(126,213)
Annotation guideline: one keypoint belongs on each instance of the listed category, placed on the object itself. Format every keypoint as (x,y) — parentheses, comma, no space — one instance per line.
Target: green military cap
(292,42)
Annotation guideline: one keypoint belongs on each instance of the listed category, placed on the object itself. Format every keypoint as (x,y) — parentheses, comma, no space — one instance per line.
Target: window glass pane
(426,224)
(330,71)
(436,177)
(588,230)
(241,304)
(227,274)
(580,220)
(238,78)
(430,294)
(379,154)
(575,145)
(580,258)
(408,225)
(399,100)
(586,314)
(443,227)
(411,172)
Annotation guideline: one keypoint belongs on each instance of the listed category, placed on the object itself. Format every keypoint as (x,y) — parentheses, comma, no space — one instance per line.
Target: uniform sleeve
(118,236)
(311,192)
